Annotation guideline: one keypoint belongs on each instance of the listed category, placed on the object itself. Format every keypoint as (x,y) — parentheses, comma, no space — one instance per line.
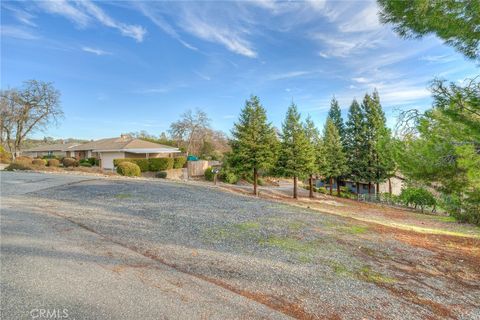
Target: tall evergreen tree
(254,141)
(335,164)
(313,136)
(336,115)
(297,155)
(380,163)
(355,144)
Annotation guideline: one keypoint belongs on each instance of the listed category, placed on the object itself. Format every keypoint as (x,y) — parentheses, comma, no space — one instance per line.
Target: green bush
(53,163)
(128,169)
(209,175)
(92,160)
(50,156)
(5,156)
(418,197)
(229,177)
(323,190)
(18,165)
(160,164)
(69,162)
(161,174)
(85,164)
(38,162)
(179,162)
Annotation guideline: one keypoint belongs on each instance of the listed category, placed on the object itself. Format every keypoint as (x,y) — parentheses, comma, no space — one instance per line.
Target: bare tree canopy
(23,111)
(190,130)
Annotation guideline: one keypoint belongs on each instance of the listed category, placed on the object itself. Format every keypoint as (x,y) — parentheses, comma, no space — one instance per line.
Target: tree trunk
(358,188)
(369,188)
(311,186)
(255,178)
(338,187)
(377,191)
(295,196)
(390,186)
(331,186)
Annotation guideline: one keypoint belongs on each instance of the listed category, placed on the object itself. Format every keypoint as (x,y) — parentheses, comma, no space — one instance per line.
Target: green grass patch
(367,274)
(289,244)
(247,226)
(339,268)
(123,196)
(354,229)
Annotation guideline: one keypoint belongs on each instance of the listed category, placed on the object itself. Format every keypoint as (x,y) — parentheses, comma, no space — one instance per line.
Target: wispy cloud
(291,74)
(98,52)
(438,58)
(66,9)
(21,15)
(203,76)
(82,13)
(156,18)
(134,31)
(232,39)
(18,33)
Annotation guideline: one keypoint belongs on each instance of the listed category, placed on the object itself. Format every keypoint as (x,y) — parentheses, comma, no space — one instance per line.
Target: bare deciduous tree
(190,130)
(26,110)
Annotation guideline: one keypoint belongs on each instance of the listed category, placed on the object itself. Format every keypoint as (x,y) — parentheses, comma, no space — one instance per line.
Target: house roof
(53,147)
(125,143)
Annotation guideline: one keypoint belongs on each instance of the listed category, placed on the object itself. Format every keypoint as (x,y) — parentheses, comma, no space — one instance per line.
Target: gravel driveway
(175,250)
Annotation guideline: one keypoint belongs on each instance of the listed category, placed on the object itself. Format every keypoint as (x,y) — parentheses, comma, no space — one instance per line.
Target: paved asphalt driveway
(54,268)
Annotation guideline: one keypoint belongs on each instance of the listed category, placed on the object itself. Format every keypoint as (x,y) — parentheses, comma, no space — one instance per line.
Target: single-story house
(395,184)
(122,147)
(59,150)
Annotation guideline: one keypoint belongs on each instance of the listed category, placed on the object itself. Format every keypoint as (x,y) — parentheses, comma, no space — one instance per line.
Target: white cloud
(21,15)
(134,31)
(66,9)
(203,76)
(150,13)
(438,58)
(365,20)
(83,12)
(98,52)
(360,80)
(291,74)
(232,39)
(18,33)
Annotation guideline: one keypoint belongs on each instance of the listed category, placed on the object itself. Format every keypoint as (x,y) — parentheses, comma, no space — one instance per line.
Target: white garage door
(107,158)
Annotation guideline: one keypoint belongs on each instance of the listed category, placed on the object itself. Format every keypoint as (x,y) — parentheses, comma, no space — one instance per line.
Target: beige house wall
(150,155)
(397,185)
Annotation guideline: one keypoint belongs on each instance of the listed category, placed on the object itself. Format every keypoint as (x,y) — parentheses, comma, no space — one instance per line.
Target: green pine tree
(355,144)
(297,154)
(379,142)
(335,164)
(313,136)
(254,141)
(336,115)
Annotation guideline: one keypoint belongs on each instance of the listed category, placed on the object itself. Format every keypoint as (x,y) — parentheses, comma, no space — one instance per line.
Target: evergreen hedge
(154,164)
(128,169)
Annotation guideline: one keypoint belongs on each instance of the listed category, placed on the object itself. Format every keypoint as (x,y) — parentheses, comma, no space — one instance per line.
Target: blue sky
(128,66)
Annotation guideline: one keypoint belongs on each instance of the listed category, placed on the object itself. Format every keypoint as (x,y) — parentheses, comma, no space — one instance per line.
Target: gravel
(299,262)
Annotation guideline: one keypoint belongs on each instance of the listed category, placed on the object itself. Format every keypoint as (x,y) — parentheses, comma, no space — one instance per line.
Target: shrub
(24,159)
(128,169)
(92,160)
(160,164)
(323,190)
(417,197)
(39,162)
(161,174)
(228,177)
(142,163)
(53,163)
(18,165)
(5,156)
(179,162)
(209,175)
(69,162)
(50,156)
(85,164)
